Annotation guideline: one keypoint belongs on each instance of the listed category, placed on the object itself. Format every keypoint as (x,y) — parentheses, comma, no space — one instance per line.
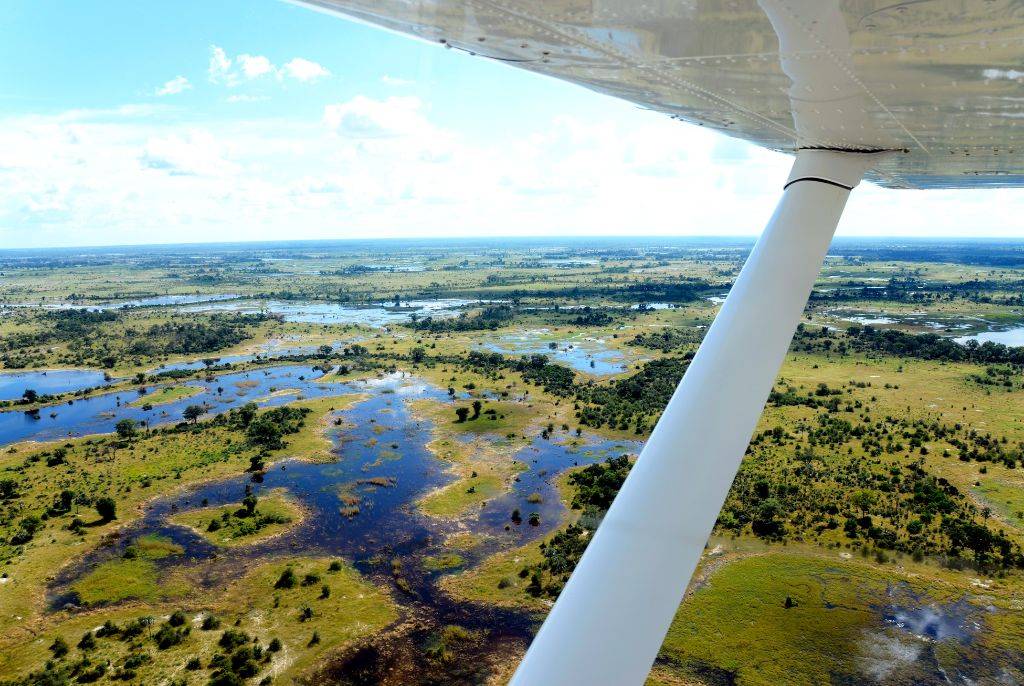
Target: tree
(325,350)
(863,501)
(125,428)
(106,508)
(265,433)
(417,354)
(30,396)
(193,412)
(249,503)
(246,413)
(8,489)
(477,405)
(462,413)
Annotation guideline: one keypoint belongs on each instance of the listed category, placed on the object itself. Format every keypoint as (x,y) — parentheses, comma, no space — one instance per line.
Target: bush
(232,638)
(87,642)
(59,647)
(287,579)
(106,508)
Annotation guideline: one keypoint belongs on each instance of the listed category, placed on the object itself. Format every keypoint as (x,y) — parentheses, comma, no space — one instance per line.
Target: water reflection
(49,382)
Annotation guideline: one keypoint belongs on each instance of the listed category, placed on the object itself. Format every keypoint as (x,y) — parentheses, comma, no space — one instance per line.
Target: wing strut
(613,614)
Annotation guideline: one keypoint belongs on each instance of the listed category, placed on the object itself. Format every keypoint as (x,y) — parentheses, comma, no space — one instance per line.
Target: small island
(252,520)
(165,396)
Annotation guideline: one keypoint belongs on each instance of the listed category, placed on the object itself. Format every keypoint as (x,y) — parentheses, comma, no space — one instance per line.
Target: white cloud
(219,70)
(242,97)
(384,167)
(395,81)
(196,153)
(254,66)
(305,70)
(176,85)
(243,68)
(363,117)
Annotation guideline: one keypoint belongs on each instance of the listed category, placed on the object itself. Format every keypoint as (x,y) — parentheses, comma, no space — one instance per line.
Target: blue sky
(125,122)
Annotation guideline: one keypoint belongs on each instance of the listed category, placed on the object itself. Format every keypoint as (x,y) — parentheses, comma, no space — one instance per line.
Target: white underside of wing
(942,80)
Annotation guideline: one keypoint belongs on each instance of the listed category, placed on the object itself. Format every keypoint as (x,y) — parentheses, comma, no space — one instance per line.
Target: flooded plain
(586,354)
(375,315)
(383,465)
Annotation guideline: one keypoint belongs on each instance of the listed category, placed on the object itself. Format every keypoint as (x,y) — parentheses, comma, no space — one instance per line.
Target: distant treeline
(926,346)
(980,253)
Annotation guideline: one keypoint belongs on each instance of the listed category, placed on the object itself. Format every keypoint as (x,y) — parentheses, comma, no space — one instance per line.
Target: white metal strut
(613,614)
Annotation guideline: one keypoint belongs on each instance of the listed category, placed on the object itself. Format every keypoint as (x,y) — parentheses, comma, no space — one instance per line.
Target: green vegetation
(117,580)
(740,623)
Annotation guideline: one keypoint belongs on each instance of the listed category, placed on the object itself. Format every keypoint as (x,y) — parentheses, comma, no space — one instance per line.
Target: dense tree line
(635,401)
(668,340)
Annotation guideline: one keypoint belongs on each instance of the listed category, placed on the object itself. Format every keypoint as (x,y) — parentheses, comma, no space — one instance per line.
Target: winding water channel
(379,436)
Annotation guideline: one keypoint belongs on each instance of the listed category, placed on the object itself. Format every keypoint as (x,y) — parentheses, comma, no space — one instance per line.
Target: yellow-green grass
(1005,498)
(153,547)
(165,395)
(283,513)
(465,494)
(313,441)
(496,580)
(484,469)
(353,610)
(738,621)
(443,562)
(508,417)
(116,580)
(464,541)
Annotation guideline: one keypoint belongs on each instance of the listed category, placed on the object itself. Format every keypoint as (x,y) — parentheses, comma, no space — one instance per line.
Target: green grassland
(484,465)
(738,622)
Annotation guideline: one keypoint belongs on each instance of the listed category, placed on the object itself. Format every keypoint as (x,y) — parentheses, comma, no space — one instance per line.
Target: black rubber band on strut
(819,180)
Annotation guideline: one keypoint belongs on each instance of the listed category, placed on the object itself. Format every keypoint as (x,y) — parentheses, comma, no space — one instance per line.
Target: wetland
(386,475)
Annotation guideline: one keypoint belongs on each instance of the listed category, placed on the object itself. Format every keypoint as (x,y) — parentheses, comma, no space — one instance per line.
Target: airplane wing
(942,80)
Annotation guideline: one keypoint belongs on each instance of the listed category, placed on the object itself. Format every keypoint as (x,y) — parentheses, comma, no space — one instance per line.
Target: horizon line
(492,239)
